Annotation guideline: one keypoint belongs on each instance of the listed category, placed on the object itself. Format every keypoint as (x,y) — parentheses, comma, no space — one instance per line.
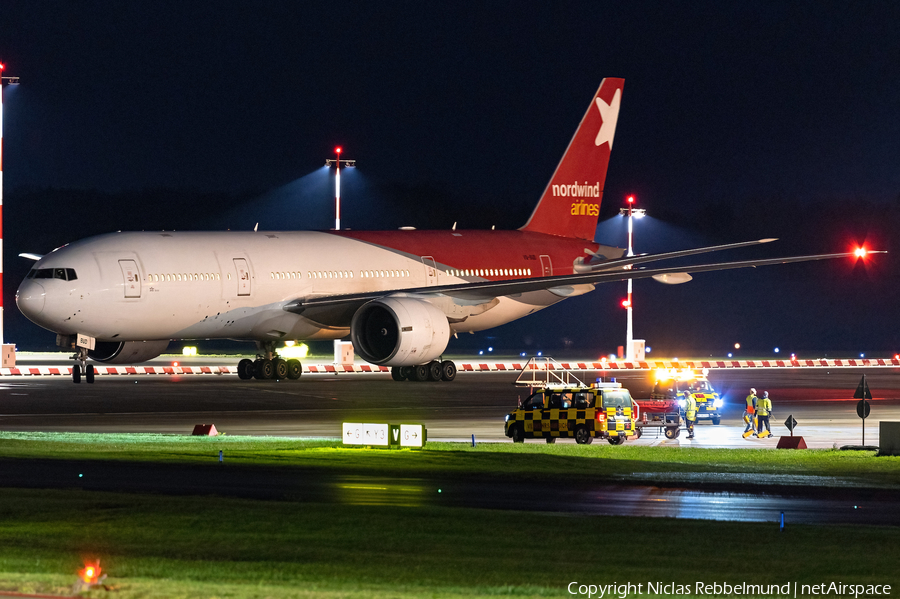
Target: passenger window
(565,401)
(583,400)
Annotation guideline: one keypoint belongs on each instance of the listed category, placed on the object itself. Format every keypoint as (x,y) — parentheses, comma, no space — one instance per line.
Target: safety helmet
(765,394)
(752,390)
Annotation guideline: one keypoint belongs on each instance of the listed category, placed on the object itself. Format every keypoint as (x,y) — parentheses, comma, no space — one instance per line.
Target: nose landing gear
(81,366)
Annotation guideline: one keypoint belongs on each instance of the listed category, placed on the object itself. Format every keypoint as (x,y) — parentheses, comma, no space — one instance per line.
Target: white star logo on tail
(610,114)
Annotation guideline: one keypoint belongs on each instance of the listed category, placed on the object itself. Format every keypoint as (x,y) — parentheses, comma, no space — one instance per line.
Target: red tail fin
(571,203)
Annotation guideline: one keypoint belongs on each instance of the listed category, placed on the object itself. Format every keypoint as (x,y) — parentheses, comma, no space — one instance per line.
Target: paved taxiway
(315,406)
(475,403)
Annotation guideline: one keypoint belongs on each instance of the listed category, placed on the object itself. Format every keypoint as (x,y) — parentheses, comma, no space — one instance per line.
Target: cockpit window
(66,274)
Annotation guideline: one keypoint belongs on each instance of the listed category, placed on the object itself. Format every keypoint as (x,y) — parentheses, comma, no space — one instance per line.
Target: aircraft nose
(30,299)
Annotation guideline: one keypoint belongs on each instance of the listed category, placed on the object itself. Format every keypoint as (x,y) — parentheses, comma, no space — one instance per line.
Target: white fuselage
(206,285)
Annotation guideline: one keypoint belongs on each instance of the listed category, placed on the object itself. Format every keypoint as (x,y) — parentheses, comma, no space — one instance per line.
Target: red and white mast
(1,205)
(11,81)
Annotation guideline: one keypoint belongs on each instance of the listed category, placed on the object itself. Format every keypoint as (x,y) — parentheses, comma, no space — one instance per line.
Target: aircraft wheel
(616,440)
(583,436)
(294,369)
(89,374)
(518,434)
(407,372)
(245,369)
(551,440)
(76,373)
(279,368)
(448,370)
(397,373)
(435,372)
(420,373)
(263,369)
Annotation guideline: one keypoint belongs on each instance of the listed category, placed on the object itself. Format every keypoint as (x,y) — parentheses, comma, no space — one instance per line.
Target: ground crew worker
(763,411)
(690,413)
(750,414)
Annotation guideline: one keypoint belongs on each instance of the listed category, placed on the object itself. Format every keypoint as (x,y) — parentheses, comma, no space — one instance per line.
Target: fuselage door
(243,276)
(546,266)
(430,270)
(131,277)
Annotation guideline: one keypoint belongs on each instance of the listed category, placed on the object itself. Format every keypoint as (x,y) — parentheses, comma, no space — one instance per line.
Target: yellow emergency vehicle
(604,410)
(671,384)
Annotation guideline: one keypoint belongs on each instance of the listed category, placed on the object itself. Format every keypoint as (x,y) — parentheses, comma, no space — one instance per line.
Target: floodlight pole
(8,81)
(336,162)
(631,212)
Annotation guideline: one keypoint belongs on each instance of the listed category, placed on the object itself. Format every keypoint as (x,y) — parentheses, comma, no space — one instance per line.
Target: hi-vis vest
(690,408)
(751,402)
(763,406)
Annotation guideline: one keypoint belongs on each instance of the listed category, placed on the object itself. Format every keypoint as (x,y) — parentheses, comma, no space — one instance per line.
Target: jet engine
(398,331)
(127,352)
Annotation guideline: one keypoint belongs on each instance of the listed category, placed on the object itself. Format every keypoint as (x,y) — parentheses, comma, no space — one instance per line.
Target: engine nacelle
(127,352)
(399,331)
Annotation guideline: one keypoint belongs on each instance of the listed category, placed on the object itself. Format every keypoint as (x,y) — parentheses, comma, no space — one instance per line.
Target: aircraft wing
(342,307)
(641,258)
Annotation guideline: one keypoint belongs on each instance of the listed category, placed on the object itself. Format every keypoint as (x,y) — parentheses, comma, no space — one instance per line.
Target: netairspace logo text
(791,589)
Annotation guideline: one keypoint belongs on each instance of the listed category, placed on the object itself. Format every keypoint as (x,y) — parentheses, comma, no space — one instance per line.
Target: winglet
(570,204)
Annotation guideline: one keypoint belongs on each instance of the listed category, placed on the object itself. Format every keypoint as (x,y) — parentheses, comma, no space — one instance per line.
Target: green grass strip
(152,546)
(529,461)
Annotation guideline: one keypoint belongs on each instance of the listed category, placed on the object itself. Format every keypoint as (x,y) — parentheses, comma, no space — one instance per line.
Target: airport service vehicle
(603,411)
(400,295)
(671,385)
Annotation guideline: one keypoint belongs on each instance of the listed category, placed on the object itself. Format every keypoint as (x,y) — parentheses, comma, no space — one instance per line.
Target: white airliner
(400,295)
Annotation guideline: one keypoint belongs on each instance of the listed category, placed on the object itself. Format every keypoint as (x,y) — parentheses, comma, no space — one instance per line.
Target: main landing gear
(268,366)
(433,371)
(81,366)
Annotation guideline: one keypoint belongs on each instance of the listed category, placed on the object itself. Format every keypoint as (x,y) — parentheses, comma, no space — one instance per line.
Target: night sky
(738,121)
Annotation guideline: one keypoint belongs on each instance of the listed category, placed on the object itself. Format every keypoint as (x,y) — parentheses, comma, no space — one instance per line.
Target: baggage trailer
(659,414)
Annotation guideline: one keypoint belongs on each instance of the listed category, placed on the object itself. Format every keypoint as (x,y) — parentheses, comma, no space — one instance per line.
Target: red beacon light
(626,303)
(860,252)
(90,574)
(631,199)
(337,150)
